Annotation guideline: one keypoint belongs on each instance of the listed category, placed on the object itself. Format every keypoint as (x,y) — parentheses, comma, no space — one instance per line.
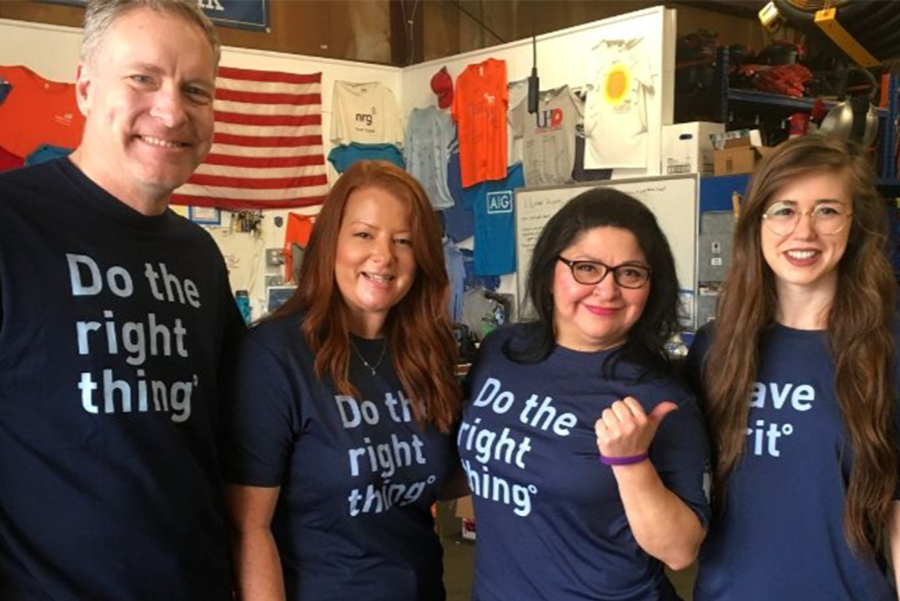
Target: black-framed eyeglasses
(591,273)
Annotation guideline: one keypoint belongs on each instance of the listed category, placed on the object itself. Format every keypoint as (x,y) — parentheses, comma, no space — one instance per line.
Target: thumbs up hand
(624,430)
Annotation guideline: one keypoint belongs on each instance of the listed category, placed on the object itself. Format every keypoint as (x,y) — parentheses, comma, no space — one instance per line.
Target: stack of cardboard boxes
(737,151)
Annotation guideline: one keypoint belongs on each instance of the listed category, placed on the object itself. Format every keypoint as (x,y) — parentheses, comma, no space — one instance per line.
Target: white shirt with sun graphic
(619,81)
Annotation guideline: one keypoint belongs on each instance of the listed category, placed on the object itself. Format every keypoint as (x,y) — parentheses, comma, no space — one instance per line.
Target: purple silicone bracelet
(623,460)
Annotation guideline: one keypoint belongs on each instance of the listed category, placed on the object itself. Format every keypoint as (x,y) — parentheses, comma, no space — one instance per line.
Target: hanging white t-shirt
(619,82)
(243,254)
(365,113)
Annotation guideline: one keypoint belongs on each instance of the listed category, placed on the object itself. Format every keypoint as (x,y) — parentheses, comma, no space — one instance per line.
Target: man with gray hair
(116,321)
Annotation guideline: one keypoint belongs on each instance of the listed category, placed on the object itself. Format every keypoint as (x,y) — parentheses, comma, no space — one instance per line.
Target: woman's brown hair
(418,332)
(859,326)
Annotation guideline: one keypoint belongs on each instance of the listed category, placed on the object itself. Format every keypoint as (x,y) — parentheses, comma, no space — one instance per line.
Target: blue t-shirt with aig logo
(493,203)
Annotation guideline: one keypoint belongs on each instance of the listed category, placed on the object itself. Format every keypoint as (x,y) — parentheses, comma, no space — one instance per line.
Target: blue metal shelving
(889,180)
(889,134)
(802,104)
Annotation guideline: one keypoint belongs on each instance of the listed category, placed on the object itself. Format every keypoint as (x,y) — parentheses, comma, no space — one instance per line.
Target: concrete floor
(459,554)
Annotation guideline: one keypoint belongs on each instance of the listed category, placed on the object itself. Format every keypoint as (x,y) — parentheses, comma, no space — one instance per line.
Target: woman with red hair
(343,405)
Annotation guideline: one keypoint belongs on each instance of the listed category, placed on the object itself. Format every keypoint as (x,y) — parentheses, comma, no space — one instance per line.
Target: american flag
(267,151)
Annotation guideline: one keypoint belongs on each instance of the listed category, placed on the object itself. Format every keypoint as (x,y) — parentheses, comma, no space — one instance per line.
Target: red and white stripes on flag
(267,151)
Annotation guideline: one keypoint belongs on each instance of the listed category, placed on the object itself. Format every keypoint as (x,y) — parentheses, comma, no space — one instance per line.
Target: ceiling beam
(738,8)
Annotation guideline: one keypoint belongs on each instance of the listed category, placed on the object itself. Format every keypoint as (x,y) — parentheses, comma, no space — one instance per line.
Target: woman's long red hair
(422,346)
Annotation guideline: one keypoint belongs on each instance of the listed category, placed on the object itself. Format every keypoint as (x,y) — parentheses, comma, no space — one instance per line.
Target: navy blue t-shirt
(551,524)
(113,329)
(781,535)
(459,221)
(357,475)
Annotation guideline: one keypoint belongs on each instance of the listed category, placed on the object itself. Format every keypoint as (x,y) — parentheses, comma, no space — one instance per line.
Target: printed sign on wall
(242,14)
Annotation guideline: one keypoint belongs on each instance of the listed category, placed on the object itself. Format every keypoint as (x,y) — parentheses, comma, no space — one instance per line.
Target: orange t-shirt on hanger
(38,111)
(298,231)
(479,109)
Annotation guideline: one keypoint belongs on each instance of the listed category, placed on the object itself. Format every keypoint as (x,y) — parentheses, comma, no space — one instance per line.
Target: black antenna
(534,84)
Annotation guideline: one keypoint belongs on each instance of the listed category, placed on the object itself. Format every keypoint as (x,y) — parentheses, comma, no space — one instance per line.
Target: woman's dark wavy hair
(604,207)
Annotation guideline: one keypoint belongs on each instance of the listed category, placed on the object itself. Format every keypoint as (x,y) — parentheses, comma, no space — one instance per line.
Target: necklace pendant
(372,368)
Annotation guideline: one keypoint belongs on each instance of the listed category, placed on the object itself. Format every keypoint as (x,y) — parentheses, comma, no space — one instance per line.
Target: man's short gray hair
(101,14)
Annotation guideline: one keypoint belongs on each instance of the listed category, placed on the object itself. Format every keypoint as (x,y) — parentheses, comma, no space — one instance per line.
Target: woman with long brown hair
(799,380)
(344,400)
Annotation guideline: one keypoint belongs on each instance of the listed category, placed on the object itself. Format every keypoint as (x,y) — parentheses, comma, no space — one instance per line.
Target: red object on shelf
(819,110)
(789,80)
(799,125)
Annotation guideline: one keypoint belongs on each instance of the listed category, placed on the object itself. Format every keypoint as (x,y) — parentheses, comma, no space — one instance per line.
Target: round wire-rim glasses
(591,273)
(830,218)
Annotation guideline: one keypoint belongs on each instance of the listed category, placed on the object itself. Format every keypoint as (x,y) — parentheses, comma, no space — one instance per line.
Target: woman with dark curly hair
(555,521)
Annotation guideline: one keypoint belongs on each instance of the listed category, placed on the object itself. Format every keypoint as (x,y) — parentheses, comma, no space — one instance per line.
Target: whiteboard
(673,200)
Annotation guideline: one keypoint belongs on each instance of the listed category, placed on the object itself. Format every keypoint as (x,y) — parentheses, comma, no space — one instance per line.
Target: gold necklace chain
(371,368)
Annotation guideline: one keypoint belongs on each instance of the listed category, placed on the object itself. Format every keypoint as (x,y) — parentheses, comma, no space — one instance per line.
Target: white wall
(52,52)
(49,50)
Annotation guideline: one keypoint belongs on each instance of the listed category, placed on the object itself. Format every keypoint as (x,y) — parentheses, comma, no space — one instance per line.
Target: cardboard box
(739,159)
(687,147)
(466,511)
(736,138)
(737,151)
